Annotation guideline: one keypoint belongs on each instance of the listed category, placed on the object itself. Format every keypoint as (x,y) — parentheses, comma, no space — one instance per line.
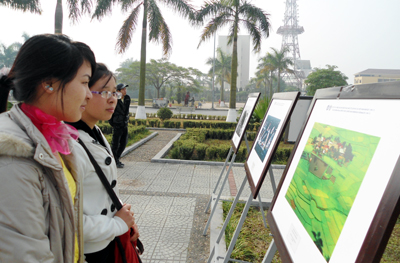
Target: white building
(243,58)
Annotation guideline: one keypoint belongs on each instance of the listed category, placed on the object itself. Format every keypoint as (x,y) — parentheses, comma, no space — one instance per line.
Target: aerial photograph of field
(327,179)
(267,134)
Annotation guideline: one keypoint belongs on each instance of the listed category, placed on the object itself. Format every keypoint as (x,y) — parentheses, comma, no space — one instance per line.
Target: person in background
(187,98)
(40,189)
(101,221)
(119,122)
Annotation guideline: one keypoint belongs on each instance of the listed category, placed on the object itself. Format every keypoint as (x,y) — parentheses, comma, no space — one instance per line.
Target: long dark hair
(41,58)
(101,71)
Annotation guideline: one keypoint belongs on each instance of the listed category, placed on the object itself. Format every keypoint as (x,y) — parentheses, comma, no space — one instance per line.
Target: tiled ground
(164,197)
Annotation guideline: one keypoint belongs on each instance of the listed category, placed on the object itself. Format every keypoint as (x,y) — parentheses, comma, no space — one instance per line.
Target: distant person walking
(119,122)
(187,98)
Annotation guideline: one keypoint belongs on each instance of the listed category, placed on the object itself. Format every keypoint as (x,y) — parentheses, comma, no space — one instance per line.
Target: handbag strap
(107,185)
(102,177)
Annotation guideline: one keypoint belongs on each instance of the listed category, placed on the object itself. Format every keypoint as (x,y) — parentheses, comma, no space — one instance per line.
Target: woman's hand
(136,234)
(126,214)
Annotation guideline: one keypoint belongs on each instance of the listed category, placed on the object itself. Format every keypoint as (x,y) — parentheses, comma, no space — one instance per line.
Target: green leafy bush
(260,110)
(200,150)
(154,123)
(186,149)
(164,113)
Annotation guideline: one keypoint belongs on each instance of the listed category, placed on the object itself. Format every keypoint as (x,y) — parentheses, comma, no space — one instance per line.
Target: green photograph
(327,179)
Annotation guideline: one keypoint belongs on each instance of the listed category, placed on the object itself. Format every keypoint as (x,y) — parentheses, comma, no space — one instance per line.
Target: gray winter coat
(37,216)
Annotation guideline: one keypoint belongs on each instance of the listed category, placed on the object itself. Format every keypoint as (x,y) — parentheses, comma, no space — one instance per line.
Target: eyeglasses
(108,94)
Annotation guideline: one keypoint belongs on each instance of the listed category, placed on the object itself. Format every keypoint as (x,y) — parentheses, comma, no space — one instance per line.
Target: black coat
(120,117)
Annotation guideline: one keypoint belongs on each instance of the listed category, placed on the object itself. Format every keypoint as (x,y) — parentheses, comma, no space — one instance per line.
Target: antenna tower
(289,31)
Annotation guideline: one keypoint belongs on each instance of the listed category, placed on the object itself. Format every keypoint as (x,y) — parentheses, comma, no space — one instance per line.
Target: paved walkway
(169,200)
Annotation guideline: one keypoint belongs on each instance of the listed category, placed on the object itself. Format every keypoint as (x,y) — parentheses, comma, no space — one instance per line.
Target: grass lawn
(254,239)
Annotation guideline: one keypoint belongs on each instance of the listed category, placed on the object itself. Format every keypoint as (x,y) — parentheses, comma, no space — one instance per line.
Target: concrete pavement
(169,198)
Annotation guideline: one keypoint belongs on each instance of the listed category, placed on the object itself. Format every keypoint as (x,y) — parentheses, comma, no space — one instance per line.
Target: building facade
(376,76)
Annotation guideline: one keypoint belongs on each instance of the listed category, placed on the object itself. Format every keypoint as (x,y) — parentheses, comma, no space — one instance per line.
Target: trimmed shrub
(241,155)
(200,151)
(164,113)
(186,149)
(141,122)
(154,123)
(211,153)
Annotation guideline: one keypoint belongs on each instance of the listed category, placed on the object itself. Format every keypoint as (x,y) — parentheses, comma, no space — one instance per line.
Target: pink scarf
(56,132)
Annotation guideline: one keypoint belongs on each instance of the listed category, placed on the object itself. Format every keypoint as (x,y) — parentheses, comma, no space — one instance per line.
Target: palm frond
(158,28)
(255,35)
(212,9)
(125,33)
(155,20)
(211,28)
(127,4)
(182,7)
(86,6)
(103,8)
(166,38)
(257,16)
(232,32)
(76,11)
(32,6)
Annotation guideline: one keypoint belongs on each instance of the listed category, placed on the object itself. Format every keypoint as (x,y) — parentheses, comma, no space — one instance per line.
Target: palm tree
(264,73)
(222,67)
(158,31)
(32,6)
(280,62)
(8,54)
(234,13)
(74,12)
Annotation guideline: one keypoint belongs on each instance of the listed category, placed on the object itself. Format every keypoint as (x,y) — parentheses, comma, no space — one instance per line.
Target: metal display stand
(240,224)
(222,188)
(270,252)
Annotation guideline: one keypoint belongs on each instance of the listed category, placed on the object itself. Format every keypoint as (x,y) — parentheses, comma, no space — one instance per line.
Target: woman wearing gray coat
(40,189)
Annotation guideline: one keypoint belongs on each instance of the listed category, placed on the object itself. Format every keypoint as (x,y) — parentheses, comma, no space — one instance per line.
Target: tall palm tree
(158,31)
(234,13)
(280,62)
(32,6)
(74,12)
(222,67)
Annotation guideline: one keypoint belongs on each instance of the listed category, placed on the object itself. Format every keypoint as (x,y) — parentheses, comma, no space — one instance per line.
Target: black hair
(101,71)
(41,58)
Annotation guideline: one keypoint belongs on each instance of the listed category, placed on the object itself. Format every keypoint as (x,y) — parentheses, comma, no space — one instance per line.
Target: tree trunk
(279,80)
(222,89)
(265,87)
(232,101)
(142,78)
(270,87)
(58,18)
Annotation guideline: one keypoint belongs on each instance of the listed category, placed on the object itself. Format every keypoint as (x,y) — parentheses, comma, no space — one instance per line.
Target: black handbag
(114,199)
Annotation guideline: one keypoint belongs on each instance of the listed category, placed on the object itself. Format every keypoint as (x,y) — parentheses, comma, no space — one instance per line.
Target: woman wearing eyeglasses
(101,220)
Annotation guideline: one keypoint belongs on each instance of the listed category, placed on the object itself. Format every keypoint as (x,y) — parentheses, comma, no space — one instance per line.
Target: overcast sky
(352,34)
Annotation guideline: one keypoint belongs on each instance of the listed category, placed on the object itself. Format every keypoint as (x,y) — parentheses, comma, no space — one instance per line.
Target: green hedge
(172,124)
(191,145)
(176,124)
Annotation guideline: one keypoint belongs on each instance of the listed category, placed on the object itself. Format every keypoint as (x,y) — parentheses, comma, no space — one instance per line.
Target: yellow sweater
(72,189)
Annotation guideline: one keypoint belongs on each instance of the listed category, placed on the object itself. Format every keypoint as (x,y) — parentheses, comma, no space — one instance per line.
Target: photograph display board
(298,118)
(244,120)
(267,139)
(334,184)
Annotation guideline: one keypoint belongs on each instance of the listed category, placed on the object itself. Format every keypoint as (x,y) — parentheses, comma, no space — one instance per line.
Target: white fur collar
(14,146)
